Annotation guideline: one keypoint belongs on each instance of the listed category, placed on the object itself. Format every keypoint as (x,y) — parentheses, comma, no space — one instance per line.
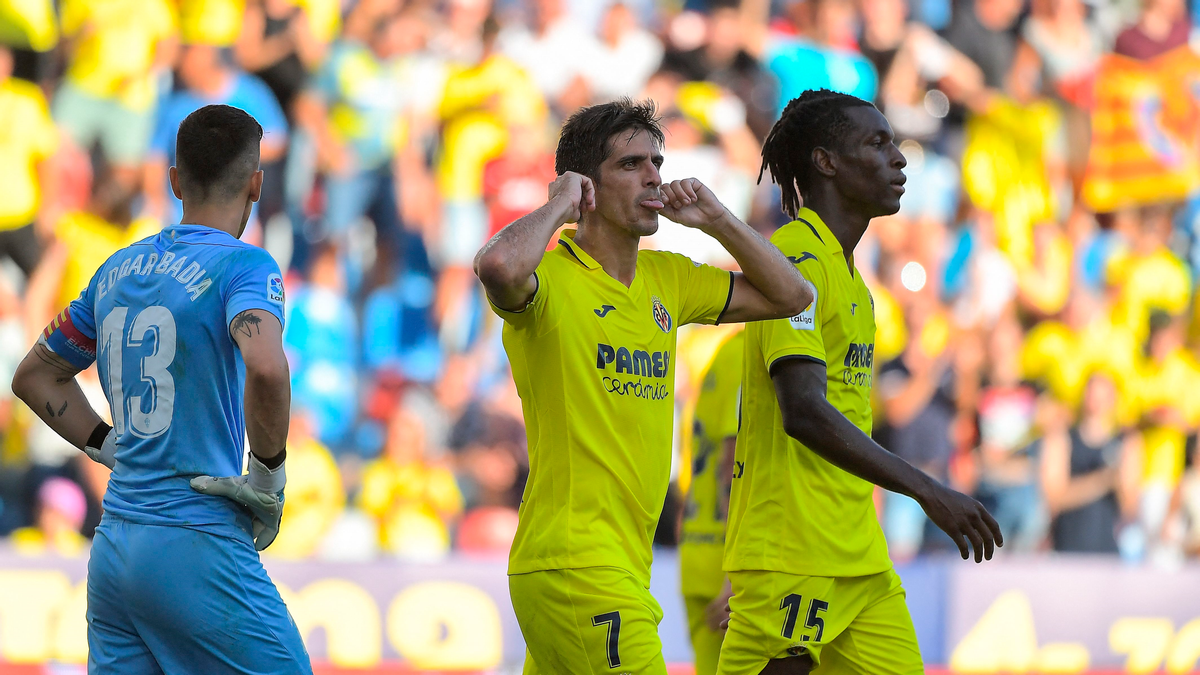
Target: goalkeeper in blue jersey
(186,329)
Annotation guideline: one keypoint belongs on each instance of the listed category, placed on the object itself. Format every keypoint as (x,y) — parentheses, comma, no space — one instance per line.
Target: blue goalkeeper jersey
(156,316)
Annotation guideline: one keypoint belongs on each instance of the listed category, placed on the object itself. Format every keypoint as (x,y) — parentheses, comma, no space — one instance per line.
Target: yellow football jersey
(790,510)
(594,364)
(702,541)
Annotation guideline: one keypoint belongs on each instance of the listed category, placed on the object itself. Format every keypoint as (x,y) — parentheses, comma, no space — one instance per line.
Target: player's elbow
(25,379)
(20,382)
(493,270)
(796,302)
(802,422)
(268,371)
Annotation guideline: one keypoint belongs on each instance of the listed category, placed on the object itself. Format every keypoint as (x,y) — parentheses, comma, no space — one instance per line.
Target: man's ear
(173,174)
(823,161)
(256,185)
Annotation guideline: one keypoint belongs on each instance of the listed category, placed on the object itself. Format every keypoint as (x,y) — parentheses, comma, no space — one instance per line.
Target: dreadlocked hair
(817,118)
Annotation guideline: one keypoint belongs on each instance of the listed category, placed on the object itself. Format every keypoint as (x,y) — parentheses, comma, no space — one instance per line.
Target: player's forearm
(825,431)
(55,396)
(763,265)
(268,408)
(512,256)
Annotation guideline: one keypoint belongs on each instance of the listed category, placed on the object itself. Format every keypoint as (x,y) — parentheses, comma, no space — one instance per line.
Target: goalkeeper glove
(102,446)
(261,490)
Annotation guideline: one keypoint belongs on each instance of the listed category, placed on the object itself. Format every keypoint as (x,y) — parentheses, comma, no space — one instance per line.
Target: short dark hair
(816,118)
(216,152)
(583,145)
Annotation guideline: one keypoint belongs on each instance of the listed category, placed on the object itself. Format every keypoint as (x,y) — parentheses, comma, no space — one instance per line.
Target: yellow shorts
(591,620)
(846,625)
(706,643)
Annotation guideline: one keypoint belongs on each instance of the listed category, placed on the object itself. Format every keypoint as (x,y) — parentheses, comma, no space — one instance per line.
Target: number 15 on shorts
(791,605)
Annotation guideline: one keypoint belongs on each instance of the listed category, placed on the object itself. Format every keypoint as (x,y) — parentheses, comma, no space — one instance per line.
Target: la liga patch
(275,288)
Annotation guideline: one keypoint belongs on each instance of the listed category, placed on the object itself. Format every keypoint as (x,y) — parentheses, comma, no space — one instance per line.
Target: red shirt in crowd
(512,187)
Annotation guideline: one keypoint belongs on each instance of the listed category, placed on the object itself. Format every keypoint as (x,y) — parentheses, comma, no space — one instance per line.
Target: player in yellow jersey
(702,541)
(813,587)
(590,333)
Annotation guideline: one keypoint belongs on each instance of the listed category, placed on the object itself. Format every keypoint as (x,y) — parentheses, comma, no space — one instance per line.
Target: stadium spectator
(1166,420)
(1162,26)
(321,340)
(1089,473)
(824,55)
(119,51)
(917,70)
(315,497)
(61,508)
(625,57)
(372,102)
(556,52)
(413,498)
(919,409)
(1008,415)
(982,30)
(278,44)
(724,60)
(82,241)
(207,79)
(27,140)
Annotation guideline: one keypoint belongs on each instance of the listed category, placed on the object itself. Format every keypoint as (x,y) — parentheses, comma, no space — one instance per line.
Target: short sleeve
(705,290)
(536,316)
(255,284)
(72,334)
(799,336)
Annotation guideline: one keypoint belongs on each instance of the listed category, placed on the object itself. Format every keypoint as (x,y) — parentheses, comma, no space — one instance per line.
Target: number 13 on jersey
(150,336)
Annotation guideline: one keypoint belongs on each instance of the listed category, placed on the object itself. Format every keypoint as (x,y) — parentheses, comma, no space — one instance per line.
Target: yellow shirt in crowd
(1158,280)
(315,499)
(1172,384)
(790,510)
(1063,359)
(411,502)
(28,23)
(90,240)
(115,46)
(478,104)
(27,136)
(211,22)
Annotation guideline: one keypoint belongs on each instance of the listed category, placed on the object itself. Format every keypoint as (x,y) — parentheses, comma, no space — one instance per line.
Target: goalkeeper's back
(156,317)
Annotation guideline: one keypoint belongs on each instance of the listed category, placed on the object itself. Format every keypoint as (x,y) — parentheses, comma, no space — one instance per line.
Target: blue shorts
(175,600)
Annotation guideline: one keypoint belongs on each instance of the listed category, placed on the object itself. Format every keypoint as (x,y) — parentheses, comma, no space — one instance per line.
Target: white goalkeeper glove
(261,490)
(102,451)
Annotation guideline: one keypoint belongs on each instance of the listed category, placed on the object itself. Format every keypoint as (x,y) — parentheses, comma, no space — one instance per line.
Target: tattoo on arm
(66,372)
(50,409)
(245,324)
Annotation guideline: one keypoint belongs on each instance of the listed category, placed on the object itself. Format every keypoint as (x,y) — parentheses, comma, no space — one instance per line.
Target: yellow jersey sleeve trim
(793,357)
(728,299)
(518,317)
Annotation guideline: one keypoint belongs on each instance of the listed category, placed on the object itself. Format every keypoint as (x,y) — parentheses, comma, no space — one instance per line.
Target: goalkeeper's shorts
(175,600)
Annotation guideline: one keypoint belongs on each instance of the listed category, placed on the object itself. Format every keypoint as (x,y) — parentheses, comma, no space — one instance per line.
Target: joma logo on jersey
(860,356)
(638,362)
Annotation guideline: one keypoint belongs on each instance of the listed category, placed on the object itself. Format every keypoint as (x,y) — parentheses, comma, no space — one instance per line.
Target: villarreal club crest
(661,316)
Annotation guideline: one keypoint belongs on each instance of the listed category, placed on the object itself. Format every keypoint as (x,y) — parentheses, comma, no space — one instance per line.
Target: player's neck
(615,249)
(845,222)
(218,217)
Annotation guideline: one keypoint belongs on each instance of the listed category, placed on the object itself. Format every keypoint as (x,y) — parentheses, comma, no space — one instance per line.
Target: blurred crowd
(1038,342)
